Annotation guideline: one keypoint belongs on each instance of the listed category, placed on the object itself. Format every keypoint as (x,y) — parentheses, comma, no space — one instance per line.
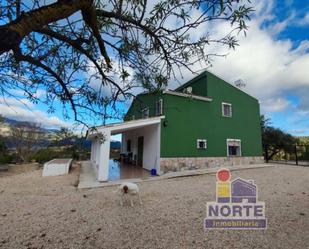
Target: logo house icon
(236,206)
(244,191)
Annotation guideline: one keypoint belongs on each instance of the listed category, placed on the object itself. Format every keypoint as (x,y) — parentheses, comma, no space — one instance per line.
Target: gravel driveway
(38,212)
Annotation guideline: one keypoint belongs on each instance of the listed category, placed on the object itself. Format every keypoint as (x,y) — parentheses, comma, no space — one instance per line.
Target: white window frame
(227,146)
(230,105)
(145,112)
(198,144)
(159,107)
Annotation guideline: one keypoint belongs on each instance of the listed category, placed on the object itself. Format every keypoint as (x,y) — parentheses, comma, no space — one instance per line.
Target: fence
(287,154)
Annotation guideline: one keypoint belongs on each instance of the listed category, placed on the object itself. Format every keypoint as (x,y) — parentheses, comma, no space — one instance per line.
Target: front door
(140,149)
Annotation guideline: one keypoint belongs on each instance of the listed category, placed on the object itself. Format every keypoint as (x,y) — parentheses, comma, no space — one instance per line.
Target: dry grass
(38,212)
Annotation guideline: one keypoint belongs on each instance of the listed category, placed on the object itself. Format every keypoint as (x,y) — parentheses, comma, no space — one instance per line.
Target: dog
(129,189)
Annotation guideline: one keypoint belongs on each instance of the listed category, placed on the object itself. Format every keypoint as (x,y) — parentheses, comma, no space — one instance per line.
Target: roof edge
(198,97)
(220,77)
(118,124)
(204,73)
(192,80)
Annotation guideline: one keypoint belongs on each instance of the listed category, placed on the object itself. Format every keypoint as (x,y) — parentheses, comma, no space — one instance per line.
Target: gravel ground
(38,212)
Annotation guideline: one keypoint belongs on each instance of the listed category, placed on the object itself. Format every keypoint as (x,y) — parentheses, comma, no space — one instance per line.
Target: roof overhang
(198,97)
(117,128)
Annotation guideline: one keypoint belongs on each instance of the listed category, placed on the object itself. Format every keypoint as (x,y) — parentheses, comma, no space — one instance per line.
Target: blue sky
(295,117)
(273,61)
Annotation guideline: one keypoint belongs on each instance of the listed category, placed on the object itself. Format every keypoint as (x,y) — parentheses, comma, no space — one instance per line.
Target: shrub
(47,154)
(44,155)
(6,158)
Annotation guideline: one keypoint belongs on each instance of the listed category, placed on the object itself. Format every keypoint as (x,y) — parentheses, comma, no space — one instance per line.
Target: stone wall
(187,163)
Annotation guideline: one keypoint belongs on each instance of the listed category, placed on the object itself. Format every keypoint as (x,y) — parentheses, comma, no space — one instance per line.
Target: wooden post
(296,157)
(266,153)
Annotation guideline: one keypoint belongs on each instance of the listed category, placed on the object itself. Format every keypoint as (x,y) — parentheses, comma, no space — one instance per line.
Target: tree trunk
(12,33)
(273,153)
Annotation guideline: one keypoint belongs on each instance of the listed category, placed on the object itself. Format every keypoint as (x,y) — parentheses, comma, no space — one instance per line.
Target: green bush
(44,155)
(47,154)
(6,158)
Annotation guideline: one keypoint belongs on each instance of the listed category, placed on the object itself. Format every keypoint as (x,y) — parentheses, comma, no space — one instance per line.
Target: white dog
(129,189)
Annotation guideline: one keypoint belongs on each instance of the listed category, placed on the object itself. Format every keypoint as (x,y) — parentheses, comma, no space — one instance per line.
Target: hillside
(304,140)
(49,137)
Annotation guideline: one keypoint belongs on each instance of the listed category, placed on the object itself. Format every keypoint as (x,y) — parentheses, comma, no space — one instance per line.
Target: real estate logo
(237,205)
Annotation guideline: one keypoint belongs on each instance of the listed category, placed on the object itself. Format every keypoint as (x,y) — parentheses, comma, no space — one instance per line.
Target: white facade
(151,135)
(148,128)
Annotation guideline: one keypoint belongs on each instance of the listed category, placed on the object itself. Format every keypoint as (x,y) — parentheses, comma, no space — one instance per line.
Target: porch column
(158,156)
(104,156)
(91,154)
(95,155)
(123,139)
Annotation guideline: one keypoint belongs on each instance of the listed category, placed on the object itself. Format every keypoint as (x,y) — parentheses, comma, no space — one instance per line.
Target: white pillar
(158,166)
(91,153)
(104,156)
(123,139)
(97,153)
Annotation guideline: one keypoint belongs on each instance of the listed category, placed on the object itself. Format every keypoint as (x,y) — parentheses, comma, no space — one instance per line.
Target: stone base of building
(174,164)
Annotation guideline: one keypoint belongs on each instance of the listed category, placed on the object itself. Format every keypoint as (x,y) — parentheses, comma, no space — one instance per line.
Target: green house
(206,122)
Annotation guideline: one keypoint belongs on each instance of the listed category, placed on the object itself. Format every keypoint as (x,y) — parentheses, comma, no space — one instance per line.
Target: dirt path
(38,212)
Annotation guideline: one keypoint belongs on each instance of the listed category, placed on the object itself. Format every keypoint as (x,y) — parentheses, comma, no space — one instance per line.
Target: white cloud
(275,105)
(23,110)
(269,67)
(16,102)
(20,93)
(298,132)
(304,21)
(306,18)
(278,27)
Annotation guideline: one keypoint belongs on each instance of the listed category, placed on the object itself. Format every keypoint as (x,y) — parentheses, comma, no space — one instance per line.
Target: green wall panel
(189,119)
(140,102)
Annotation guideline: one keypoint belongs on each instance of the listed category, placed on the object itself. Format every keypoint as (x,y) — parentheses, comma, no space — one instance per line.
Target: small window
(226,110)
(201,143)
(129,145)
(233,147)
(159,107)
(145,113)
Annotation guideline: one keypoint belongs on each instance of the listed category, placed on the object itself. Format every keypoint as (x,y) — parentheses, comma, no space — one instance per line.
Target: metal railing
(287,154)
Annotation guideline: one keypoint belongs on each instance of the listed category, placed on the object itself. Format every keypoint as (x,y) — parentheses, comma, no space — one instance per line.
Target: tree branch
(20,57)
(12,33)
(75,44)
(90,18)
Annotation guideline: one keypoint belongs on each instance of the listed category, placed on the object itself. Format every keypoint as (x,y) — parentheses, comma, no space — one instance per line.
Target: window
(129,145)
(226,110)
(159,107)
(145,113)
(201,143)
(233,147)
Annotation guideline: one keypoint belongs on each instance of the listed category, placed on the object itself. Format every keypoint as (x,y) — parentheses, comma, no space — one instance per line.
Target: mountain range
(50,135)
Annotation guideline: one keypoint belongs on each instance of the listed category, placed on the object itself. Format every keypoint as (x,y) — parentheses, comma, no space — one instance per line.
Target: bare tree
(84,52)
(25,137)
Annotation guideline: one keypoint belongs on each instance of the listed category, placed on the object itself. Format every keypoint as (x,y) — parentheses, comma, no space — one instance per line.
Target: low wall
(186,163)
(57,167)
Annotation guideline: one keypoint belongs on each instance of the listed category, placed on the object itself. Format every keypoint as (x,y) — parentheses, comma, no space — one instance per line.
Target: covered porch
(140,149)
(120,170)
